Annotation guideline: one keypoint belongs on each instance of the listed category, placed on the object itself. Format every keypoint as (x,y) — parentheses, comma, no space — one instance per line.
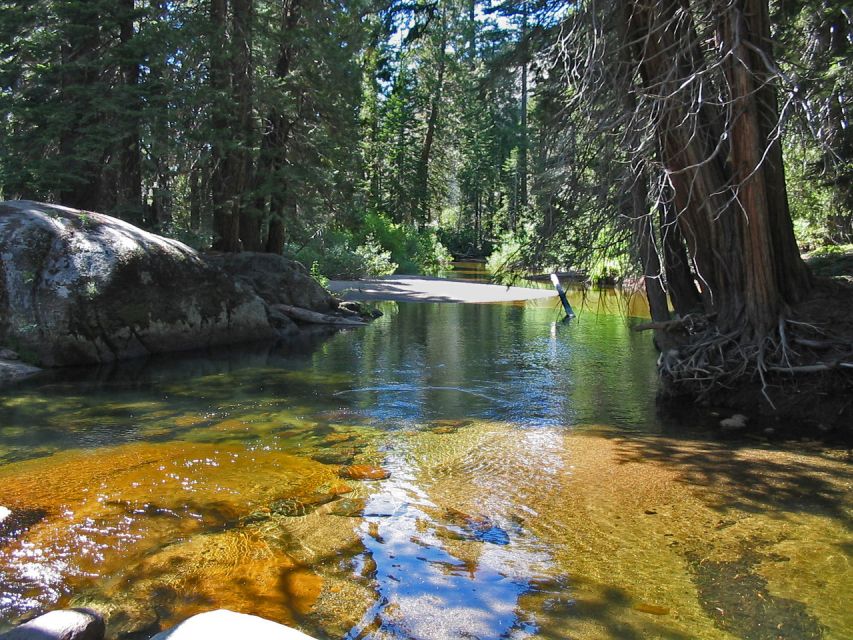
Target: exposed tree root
(810,350)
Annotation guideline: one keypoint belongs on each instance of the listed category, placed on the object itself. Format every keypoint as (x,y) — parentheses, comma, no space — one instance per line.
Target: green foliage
(317,274)
(817,209)
(413,250)
(506,261)
(337,255)
(376,260)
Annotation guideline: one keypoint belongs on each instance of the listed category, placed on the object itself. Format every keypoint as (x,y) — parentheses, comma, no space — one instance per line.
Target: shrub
(412,250)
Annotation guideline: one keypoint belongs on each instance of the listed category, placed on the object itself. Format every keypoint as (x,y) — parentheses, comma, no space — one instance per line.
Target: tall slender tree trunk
(77,89)
(278,134)
(432,124)
(129,188)
(521,173)
(226,229)
(679,279)
(645,246)
(247,217)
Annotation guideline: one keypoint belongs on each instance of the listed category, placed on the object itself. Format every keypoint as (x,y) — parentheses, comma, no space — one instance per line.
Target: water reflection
(533,491)
(442,572)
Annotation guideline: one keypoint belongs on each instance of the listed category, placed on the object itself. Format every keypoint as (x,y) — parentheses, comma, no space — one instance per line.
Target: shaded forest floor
(834,262)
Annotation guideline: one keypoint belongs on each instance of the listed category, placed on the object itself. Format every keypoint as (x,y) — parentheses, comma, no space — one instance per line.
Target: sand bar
(429,289)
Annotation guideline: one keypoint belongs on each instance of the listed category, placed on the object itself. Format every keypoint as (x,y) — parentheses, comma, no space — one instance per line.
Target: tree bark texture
(721,161)
(226,229)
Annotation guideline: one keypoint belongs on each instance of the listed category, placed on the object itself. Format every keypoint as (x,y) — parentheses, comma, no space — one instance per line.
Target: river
(534,491)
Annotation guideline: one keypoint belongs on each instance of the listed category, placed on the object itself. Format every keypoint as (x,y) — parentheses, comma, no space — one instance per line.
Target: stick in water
(562,294)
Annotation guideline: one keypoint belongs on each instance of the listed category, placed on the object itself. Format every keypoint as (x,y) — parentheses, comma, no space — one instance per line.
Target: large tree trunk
(731,209)
(78,91)
(226,227)
(247,218)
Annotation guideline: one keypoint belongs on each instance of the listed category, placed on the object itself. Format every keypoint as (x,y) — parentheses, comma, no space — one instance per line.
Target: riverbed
(534,491)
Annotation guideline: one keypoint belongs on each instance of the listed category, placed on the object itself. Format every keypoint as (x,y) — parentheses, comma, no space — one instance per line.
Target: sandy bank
(427,289)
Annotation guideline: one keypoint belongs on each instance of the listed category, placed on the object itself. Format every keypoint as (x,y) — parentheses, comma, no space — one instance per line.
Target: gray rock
(227,625)
(735,423)
(12,371)
(64,624)
(282,322)
(8,354)
(79,287)
(276,279)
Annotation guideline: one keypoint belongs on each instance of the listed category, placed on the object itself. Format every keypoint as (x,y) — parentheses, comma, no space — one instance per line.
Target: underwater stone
(336,456)
(364,472)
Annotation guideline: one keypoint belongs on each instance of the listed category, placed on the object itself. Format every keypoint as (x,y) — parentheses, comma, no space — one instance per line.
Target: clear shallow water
(533,491)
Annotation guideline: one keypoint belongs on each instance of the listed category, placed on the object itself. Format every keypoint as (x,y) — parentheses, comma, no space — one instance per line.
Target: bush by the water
(378,247)
(338,255)
(414,250)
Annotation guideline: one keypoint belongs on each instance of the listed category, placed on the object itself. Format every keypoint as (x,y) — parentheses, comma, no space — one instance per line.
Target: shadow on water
(173,367)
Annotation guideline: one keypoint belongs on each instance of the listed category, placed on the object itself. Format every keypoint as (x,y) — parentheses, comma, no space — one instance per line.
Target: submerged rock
(63,624)
(301,505)
(335,456)
(124,617)
(470,527)
(79,287)
(228,624)
(349,507)
(335,438)
(364,472)
(239,569)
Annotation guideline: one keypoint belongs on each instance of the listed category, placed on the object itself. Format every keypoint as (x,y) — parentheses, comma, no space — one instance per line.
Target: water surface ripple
(532,491)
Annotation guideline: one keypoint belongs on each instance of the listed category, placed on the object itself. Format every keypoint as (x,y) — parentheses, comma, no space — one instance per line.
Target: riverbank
(430,289)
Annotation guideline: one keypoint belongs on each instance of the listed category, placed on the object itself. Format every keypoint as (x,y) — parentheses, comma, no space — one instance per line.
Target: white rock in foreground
(63,624)
(228,625)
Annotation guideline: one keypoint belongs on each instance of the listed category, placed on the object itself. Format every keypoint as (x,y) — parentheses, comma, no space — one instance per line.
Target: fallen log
(313,317)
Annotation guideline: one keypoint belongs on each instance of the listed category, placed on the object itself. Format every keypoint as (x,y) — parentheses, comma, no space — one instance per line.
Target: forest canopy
(365,136)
